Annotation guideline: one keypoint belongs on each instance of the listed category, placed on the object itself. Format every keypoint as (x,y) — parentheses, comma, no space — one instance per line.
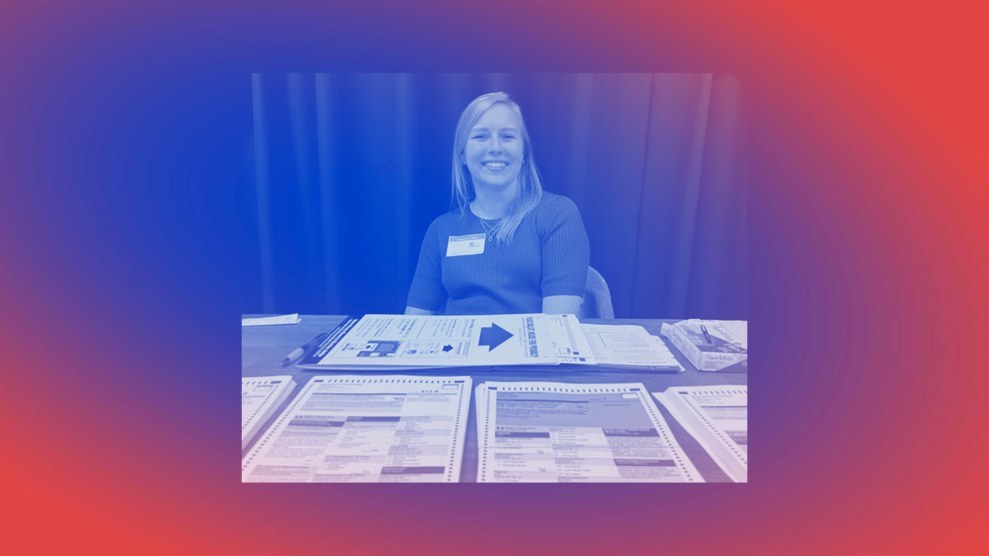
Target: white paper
(268,321)
(260,397)
(629,345)
(366,429)
(560,432)
(717,416)
(383,341)
(458,246)
(736,330)
(569,341)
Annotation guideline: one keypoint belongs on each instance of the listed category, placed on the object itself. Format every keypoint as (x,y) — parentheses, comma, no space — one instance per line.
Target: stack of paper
(560,432)
(717,416)
(429,341)
(629,346)
(570,341)
(259,398)
(366,429)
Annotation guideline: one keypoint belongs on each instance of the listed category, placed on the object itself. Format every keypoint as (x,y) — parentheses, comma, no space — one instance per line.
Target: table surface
(264,347)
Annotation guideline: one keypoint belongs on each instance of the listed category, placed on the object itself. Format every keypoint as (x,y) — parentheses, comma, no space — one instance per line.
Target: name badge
(465,245)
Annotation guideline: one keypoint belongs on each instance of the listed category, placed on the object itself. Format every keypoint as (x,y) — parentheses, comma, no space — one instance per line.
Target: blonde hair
(530,183)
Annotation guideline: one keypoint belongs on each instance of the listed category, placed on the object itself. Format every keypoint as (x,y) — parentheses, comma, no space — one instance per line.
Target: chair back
(597,297)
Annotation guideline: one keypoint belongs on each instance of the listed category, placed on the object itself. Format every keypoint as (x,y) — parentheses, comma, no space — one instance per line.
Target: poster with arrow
(432,341)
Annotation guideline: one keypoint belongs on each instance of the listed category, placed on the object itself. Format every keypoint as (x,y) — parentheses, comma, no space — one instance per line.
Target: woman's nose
(494,145)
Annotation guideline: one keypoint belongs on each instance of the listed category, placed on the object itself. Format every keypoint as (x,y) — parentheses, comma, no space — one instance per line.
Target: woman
(507,247)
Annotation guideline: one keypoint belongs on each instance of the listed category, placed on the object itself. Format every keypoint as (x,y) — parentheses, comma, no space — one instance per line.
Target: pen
(298,352)
(706,335)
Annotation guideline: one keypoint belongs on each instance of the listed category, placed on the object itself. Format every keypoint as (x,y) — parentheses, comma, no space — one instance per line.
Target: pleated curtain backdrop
(350,169)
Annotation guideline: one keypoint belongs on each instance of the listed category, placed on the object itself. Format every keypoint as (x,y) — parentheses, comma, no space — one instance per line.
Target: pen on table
(706,335)
(298,352)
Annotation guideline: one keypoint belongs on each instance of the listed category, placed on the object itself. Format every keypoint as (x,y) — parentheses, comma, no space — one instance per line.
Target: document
(268,321)
(561,432)
(430,341)
(629,346)
(366,429)
(260,397)
(717,416)
(569,342)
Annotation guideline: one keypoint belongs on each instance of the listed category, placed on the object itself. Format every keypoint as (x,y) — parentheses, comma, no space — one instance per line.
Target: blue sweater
(548,255)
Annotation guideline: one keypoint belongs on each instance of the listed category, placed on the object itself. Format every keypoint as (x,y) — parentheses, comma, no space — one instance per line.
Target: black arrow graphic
(493,336)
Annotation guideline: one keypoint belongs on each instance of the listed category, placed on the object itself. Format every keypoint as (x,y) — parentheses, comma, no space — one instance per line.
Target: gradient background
(867,274)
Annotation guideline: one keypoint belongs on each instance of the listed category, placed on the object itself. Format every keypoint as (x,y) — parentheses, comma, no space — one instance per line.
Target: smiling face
(494,151)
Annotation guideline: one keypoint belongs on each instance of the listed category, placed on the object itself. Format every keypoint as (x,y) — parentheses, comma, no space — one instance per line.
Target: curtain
(350,169)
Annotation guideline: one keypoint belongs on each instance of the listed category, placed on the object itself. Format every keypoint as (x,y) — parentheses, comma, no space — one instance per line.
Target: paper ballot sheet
(366,429)
(383,341)
(260,397)
(629,346)
(561,432)
(717,416)
(569,340)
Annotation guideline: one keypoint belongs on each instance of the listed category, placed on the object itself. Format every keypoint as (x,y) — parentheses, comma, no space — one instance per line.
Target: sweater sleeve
(565,249)
(427,291)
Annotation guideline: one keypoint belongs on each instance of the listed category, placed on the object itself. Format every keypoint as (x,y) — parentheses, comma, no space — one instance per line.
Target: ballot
(568,432)
(717,417)
(260,397)
(629,346)
(366,429)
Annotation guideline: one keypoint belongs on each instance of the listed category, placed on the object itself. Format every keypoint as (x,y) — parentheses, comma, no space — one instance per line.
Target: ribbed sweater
(548,255)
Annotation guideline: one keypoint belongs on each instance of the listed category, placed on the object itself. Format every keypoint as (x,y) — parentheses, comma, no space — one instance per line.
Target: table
(264,347)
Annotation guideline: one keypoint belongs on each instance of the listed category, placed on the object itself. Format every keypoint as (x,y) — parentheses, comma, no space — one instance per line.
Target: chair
(597,297)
